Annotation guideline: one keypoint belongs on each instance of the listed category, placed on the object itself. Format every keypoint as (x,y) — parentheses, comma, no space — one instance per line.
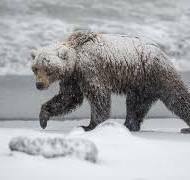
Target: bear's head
(51,64)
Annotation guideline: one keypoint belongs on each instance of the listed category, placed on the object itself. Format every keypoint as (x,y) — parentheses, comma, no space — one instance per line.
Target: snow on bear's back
(132,49)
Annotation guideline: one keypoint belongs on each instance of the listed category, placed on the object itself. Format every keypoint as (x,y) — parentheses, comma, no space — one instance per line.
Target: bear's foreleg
(100,102)
(138,105)
(59,104)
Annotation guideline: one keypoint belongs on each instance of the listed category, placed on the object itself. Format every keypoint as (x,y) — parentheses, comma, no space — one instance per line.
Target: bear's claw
(44,117)
(43,124)
(87,128)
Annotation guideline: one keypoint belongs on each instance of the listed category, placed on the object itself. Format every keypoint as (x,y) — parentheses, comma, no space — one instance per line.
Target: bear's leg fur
(177,99)
(138,105)
(69,98)
(100,108)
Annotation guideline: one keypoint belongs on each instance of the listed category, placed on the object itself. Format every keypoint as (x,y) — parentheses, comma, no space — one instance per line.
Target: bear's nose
(40,85)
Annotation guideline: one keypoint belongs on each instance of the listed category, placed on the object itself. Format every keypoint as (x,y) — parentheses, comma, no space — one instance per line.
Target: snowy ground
(158,152)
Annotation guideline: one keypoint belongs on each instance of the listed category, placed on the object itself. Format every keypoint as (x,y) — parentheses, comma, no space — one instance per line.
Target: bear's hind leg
(138,106)
(177,99)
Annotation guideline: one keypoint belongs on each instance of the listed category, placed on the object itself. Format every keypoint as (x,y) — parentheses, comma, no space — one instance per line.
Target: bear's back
(120,60)
(128,48)
(132,60)
(119,49)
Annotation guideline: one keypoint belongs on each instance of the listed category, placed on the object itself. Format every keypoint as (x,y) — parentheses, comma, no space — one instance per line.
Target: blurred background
(29,24)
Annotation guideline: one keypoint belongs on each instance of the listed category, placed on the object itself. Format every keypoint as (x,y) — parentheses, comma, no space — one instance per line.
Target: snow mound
(55,147)
(114,125)
(112,128)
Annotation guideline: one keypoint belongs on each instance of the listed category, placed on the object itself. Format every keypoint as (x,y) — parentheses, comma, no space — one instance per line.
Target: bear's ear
(63,53)
(33,54)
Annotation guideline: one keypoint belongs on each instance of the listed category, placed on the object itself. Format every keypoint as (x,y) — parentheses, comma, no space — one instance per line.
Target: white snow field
(158,152)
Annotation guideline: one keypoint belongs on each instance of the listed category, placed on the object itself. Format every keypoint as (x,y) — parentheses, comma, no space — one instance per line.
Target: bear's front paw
(88,128)
(44,117)
(133,125)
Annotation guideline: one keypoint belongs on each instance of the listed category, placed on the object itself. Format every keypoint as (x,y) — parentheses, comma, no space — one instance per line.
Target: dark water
(20,100)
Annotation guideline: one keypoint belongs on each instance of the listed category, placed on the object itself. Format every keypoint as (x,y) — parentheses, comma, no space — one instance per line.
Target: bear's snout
(40,85)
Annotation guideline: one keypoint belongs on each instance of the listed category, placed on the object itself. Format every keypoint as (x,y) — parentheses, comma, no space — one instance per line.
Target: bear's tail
(176,97)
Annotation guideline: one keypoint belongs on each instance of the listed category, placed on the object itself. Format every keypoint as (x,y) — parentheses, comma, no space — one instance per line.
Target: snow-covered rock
(55,147)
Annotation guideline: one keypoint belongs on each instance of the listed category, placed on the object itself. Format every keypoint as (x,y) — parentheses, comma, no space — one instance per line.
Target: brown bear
(95,65)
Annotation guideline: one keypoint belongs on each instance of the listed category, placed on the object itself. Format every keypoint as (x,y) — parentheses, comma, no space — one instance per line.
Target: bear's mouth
(41,86)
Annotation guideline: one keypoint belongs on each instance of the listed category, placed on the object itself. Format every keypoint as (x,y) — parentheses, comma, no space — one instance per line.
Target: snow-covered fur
(96,65)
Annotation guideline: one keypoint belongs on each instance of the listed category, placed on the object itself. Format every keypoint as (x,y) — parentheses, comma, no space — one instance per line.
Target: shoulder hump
(77,39)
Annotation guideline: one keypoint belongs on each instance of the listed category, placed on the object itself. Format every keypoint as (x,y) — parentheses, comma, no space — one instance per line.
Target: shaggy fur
(94,66)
